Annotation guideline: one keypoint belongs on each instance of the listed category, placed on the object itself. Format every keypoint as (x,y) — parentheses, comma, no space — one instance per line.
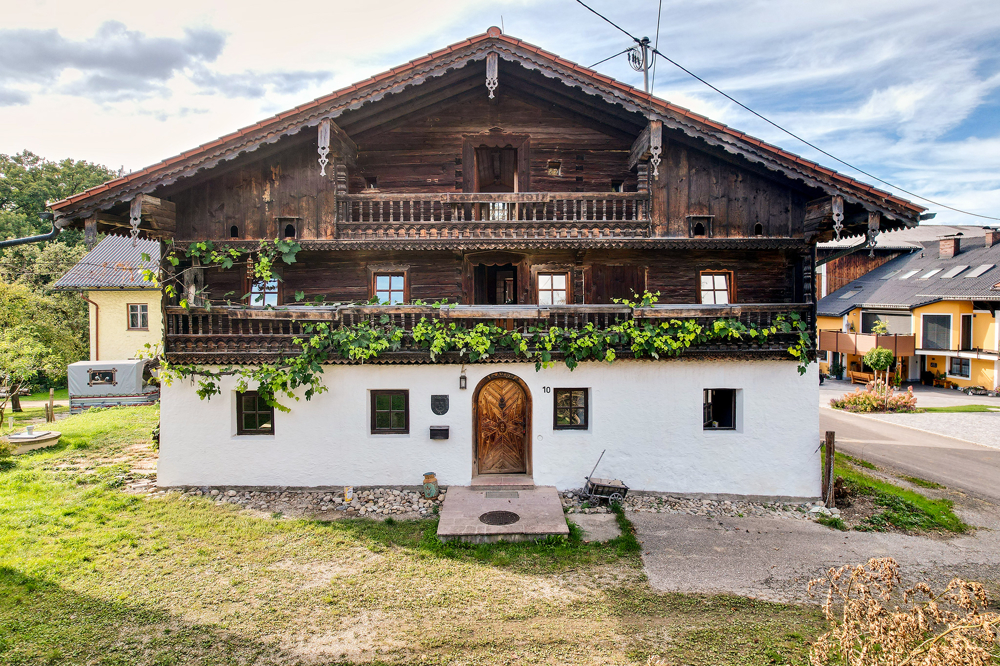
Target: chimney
(949,247)
(992,237)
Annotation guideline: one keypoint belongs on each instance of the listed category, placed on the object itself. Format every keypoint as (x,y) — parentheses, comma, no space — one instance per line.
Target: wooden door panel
(502,427)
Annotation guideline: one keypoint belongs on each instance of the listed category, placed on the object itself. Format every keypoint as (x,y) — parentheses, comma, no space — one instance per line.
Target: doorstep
(506,481)
(538,510)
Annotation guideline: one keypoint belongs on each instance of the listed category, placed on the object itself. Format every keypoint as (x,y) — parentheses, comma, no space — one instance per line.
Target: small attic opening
(234,231)
(699,229)
(289,231)
(554,167)
(758,229)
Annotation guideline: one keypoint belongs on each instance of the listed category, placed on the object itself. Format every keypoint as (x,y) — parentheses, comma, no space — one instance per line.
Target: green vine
(364,341)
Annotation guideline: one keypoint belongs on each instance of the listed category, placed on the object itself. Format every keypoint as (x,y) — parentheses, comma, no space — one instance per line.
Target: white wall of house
(647,414)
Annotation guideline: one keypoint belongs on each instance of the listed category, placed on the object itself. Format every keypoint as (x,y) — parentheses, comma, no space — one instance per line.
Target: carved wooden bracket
(135,217)
(491,72)
(838,215)
(874,222)
(655,145)
(323,143)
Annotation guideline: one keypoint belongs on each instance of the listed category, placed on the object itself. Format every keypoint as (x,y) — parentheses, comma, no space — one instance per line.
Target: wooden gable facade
(488,196)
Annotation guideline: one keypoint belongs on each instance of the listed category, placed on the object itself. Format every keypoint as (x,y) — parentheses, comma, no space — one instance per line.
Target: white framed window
(935,331)
(138,317)
(716,287)
(960,367)
(553,288)
(389,288)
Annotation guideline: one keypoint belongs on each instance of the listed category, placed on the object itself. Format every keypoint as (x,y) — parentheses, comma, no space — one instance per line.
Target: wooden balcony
(519,215)
(224,335)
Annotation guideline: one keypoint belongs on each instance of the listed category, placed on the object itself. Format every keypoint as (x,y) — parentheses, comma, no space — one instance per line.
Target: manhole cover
(499,518)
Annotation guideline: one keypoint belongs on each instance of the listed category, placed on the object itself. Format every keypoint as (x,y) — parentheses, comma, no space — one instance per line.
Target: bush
(877,397)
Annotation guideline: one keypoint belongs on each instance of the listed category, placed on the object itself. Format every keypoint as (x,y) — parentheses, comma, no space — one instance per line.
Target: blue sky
(909,91)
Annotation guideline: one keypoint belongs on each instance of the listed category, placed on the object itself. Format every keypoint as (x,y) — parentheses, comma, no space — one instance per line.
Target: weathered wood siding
(761,277)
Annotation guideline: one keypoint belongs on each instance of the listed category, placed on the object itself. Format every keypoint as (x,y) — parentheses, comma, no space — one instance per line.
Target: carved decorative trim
(838,215)
(655,146)
(874,221)
(323,142)
(491,72)
(135,217)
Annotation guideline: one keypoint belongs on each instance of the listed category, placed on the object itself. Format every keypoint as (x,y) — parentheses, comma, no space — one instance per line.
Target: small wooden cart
(612,490)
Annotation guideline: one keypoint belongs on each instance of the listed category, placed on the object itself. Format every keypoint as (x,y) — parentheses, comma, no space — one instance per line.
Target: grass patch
(900,508)
(832,521)
(923,483)
(28,415)
(60,394)
(92,574)
(857,462)
(961,408)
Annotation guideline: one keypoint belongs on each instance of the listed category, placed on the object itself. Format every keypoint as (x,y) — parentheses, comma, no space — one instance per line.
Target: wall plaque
(439,404)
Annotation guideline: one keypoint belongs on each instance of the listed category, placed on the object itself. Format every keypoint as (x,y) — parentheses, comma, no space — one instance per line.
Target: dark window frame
(99,381)
(257,411)
(139,315)
(252,287)
(926,319)
(405,430)
(962,362)
(570,409)
(708,408)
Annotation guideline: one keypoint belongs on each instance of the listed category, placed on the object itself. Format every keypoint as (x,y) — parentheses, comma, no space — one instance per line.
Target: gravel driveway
(979,427)
(774,558)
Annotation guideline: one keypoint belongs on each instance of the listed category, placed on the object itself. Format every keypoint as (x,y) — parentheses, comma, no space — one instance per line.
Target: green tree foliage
(40,321)
(23,359)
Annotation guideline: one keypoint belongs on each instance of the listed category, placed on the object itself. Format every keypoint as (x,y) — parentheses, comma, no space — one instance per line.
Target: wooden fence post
(52,409)
(831,447)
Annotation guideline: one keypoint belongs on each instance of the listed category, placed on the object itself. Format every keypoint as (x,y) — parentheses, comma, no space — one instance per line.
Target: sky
(906,90)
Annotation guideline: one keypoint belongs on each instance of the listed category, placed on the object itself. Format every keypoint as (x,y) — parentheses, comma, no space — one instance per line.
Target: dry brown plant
(930,629)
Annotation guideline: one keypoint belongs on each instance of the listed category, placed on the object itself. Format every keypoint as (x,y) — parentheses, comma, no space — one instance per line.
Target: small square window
(960,367)
(390,412)
(253,415)
(371,182)
(138,316)
(390,288)
(719,409)
(265,292)
(554,167)
(552,288)
(570,409)
(715,288)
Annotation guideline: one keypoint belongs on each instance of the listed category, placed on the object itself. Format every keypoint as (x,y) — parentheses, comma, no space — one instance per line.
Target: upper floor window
(253,415)
(389,288)
(552,288)
(716,287)
(138,316)
(937,331)
(265,292)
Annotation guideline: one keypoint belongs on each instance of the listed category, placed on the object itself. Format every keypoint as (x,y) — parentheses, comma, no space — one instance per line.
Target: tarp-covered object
(109,383)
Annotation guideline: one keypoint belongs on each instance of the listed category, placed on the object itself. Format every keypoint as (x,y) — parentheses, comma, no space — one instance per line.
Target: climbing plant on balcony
(367,340)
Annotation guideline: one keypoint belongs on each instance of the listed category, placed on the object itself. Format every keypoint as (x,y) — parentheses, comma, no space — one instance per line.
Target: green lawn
(60,394)
(900,508)
(961,408)
(92,575)
(27,415)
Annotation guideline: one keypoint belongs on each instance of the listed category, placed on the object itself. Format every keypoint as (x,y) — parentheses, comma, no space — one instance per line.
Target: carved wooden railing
(232,334)
(526,215)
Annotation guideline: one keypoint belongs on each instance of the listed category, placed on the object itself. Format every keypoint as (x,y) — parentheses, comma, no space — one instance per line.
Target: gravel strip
(979,427)
(573,501)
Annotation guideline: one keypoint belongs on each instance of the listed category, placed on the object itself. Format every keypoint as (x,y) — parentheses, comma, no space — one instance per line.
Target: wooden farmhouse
(532,195)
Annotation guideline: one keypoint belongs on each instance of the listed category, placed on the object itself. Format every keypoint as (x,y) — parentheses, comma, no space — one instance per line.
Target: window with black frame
(571,409)
(390,412)
(937,331)
(253,415)
(719,409)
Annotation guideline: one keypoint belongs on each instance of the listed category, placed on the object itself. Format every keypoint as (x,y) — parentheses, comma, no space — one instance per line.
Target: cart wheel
(616,498)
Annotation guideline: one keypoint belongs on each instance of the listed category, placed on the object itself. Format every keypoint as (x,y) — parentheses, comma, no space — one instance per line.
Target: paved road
(960,465)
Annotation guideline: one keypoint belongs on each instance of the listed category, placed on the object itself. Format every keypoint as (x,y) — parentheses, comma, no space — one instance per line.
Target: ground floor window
(719,409)
(253,415)
(960,367)
(716,287)
(138,316)
(570,409)
(390,412)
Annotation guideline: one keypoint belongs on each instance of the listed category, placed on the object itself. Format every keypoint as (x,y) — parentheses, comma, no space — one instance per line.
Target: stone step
(538,512)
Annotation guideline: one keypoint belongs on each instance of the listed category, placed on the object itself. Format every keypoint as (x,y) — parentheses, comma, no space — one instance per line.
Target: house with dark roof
(945,292)
(530,195)
(125,312)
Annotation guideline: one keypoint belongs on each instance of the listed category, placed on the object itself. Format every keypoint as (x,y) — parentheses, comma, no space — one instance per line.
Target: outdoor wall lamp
(463,381)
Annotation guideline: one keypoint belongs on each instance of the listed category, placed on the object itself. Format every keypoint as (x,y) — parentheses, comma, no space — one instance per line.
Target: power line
(599,62)
(656,45)
(779,127)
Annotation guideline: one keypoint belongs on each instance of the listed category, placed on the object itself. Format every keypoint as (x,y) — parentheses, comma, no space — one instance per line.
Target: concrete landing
(505,481)
(538,508)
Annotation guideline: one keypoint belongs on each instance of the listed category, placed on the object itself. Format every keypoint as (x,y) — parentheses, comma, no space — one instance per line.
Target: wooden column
(90,232)
(828,464)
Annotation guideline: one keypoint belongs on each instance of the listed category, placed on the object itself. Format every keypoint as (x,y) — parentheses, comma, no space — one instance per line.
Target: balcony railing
(518,215)
(236,334)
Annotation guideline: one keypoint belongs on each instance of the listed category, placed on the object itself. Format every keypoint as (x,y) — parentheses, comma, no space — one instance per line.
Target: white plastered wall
(647,414)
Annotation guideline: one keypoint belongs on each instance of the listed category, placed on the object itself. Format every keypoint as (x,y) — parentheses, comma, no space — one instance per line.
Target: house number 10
(547,389)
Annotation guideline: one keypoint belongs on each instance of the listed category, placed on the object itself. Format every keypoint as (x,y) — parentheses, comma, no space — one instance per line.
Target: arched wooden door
(502,423)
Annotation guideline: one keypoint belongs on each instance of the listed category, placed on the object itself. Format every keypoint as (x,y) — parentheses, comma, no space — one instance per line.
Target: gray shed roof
(923,277)
(113,264)
(909,239)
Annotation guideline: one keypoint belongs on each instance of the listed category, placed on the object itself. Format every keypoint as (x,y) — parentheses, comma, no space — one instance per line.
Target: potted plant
(836,369)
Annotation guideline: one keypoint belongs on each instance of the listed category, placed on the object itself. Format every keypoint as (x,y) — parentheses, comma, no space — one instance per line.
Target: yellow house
(946,294)
(125,311)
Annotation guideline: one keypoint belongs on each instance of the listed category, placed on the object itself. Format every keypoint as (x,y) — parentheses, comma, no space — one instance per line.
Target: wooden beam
(342,145)
(640,149)
(159,214)
(403,116)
